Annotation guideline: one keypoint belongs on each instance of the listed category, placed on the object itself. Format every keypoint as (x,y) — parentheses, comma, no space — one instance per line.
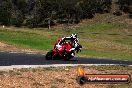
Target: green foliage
(36,13)
(5,11)
(17,19)
(125,5)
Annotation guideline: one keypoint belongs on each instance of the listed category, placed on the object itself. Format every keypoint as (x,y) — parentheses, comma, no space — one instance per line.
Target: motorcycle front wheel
(49,55)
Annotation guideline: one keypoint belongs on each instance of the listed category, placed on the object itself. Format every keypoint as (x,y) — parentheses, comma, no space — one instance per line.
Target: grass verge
(98,38)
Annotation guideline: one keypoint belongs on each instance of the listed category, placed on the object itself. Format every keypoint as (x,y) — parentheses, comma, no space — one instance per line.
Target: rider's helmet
(73,37)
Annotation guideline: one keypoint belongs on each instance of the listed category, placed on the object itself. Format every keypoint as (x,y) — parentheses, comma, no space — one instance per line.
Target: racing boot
(72,54)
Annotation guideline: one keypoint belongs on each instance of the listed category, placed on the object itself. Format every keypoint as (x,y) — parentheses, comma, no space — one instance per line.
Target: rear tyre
(49,55)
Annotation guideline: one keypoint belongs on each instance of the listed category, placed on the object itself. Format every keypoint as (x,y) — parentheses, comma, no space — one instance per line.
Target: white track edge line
(45,66)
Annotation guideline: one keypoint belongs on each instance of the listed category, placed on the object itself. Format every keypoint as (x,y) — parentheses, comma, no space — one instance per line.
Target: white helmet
(73,37)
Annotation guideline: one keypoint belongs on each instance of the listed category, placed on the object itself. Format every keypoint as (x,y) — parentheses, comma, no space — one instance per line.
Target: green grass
(101,45)
(27,39)
(100,27)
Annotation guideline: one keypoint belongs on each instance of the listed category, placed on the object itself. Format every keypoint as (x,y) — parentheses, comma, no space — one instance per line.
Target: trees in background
(125,5)
(45,13)
(5,11)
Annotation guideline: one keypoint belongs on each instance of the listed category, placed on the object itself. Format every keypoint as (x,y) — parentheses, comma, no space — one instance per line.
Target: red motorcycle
(66,54)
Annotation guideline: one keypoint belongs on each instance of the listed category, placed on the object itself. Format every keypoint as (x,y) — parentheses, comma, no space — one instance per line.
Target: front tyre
(49,55)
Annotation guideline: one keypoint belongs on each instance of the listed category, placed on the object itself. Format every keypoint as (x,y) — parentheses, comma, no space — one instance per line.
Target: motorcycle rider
(73,39)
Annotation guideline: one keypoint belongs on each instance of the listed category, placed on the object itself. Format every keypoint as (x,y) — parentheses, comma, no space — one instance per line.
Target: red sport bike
(66,54)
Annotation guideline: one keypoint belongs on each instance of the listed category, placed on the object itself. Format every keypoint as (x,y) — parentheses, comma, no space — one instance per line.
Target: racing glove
(72,49)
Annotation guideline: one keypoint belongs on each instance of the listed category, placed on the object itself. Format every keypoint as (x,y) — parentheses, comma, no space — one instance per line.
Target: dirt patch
(3,45)
(62,77)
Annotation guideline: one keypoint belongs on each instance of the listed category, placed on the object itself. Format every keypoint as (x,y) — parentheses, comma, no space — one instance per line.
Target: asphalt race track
(8,59)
